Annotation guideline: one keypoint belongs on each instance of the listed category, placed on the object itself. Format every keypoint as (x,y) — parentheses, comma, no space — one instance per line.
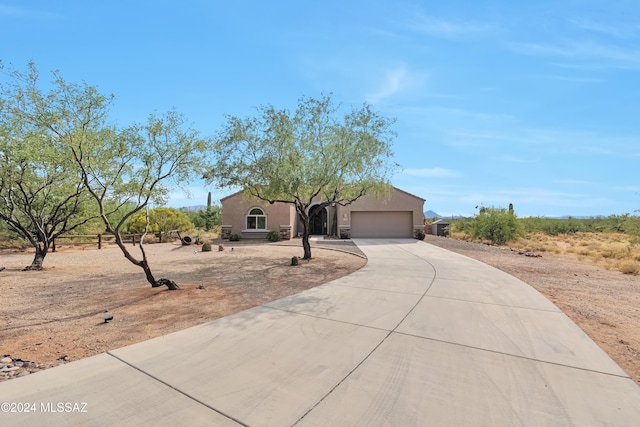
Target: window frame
(256,219)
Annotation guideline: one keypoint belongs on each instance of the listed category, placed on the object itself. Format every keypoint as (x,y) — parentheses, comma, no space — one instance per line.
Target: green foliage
(461,225)
(298,158)
(42,190)
(207,219)
(234,237)
(210,217)
(273,236)
(62,164)
(497,225)
(160,220)
(206,247)
(626,223)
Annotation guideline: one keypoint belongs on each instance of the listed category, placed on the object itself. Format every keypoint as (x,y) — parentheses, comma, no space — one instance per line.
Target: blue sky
(497,102)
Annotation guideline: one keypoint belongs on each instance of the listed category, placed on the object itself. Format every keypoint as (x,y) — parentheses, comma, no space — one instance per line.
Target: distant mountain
(431,215)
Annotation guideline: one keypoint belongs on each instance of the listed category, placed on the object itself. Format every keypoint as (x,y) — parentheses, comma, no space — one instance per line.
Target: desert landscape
(54,316)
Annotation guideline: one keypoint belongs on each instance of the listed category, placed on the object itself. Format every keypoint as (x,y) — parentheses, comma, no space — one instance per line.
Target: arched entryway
(318,220)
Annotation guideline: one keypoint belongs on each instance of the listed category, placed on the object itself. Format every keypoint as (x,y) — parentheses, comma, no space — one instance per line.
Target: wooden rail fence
(108,237)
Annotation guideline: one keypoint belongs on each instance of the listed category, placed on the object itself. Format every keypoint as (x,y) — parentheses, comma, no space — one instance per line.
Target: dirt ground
(603,303)
(56,315)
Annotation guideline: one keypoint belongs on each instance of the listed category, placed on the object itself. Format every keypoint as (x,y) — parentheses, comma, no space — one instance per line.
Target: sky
(534,103)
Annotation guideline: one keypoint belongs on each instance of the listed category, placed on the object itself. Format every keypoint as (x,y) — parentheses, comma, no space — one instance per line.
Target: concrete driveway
(419,337)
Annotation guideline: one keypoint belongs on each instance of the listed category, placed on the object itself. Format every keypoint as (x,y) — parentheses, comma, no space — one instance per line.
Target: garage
(381,224)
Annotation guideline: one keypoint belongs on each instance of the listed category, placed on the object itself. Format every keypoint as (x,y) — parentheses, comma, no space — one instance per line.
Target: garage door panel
(381,224)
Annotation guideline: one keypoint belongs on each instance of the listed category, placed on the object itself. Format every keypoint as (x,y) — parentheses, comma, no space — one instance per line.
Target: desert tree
(120,170)
(136,167)
(210,216)
(315,155)
(42,193)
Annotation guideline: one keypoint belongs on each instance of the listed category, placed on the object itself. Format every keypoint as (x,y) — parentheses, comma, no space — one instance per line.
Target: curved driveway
(418,337)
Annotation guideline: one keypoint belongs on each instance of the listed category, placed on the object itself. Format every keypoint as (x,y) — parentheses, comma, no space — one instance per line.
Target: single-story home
(399,215)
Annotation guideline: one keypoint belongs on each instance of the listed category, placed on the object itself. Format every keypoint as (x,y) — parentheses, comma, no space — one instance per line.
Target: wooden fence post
(99,241)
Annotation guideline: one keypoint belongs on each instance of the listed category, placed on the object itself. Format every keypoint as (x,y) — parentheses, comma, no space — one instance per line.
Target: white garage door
(382,224)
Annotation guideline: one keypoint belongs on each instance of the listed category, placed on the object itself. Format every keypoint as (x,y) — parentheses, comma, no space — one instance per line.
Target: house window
(256,220)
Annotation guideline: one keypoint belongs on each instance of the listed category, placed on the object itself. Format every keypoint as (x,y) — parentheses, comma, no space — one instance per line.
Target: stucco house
(399,215)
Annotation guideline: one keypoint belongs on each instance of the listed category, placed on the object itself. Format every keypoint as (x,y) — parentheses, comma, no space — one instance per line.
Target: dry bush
(612,251)
(7,242)
(628,266)
(150,238)
(460,235)
(583,251)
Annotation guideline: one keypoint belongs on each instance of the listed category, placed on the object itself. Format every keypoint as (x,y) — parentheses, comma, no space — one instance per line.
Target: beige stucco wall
(236,207)
(398,200)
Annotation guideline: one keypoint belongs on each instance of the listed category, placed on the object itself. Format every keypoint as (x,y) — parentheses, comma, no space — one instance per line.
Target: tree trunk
(143,264)
(305,237)
(157,283)
(38,259)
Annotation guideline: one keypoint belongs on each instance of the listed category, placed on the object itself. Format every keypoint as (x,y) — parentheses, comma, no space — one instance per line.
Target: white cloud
(605,54)
(395,81)
(431,172)
(618,30)
(391,85)
(629,188)
(573,182)
(448,29)
(575,79)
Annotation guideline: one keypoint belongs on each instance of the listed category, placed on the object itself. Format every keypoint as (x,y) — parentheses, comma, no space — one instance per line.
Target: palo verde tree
(138,166)
(120,170)
(42,193)
(312,156)
(497,225)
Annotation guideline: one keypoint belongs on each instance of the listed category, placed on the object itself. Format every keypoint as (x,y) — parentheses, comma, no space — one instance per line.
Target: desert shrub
(234,237)
(461,226)
(497,225)
(149,238)
(160,219)
(273,236)
(206,247)
(628,266)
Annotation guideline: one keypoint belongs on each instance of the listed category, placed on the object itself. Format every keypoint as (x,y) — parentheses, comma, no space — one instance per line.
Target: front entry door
(318,220)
